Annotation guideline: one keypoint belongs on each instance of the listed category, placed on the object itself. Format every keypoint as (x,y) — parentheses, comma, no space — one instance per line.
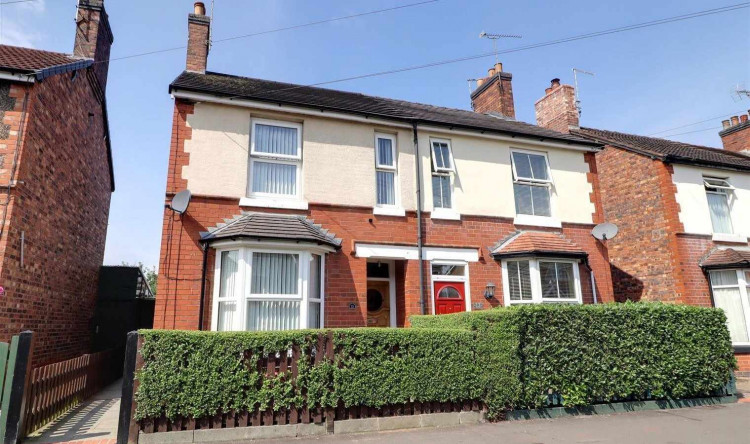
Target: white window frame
(244,281)
(744,296)
(536,281)
(461,279)
(721,188)
(532,219)
(396,209)
(283,159)
(435,168)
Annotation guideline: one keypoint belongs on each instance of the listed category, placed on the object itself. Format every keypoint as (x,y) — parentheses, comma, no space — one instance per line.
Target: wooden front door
(378,304)
(449,297)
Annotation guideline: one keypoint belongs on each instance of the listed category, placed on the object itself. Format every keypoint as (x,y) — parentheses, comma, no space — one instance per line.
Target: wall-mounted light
(489,291)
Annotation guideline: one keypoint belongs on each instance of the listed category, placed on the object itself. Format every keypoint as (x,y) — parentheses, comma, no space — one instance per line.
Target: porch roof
(536,243)
(727,258)
(271,226)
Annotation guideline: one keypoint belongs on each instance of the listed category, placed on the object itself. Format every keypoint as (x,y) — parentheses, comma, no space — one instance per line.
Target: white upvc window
(386,170)
(541,280)
(731,292)
(275,166)
(443,168)
(532,183)
(260,289)
(718,194)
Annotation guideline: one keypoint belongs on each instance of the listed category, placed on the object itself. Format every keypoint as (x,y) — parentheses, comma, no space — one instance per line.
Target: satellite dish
(605,231)
(180,202)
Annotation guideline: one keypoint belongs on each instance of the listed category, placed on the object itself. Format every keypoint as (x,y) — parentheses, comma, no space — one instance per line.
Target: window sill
(444,214)
(538,221)
(269,202)
(733,238)
(389,211)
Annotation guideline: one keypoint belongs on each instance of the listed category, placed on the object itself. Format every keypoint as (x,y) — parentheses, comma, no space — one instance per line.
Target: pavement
(717,424)
(94,421)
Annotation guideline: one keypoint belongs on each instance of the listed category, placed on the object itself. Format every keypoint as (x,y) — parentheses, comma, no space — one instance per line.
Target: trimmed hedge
(602,353)
(199,374)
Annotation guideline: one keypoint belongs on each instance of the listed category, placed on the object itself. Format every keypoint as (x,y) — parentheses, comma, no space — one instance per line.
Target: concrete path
(94,421)
(717,424)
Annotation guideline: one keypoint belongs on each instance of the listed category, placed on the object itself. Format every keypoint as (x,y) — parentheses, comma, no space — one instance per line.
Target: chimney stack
(494,93)
(557,109)
(94,37)
(199,28)
(735,134)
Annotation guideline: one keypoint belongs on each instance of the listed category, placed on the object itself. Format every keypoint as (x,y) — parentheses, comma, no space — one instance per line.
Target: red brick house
(56,181)
(683,212)
(315,207)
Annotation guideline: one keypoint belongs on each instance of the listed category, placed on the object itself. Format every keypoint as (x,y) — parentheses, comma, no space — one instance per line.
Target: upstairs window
(718,192)
(275,159)
(442,167)
(385,169)
(531,183)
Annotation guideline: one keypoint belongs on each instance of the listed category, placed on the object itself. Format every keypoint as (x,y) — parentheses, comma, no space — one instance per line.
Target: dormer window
(531,183)
(718,192)
(275,159)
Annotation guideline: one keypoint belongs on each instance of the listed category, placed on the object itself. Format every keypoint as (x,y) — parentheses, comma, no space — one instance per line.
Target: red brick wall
(497,96)
(737,138)
(644,253)
(743,363)
(61,204)
(557,109)
(197,51)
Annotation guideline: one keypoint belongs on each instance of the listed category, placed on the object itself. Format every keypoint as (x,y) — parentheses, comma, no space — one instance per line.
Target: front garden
(501,359)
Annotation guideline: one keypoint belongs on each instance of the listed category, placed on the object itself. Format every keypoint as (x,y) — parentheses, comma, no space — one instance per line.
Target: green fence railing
(15,359)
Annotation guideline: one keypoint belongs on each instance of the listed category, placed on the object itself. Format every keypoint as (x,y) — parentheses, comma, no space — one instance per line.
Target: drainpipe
(420,240)
(203,285)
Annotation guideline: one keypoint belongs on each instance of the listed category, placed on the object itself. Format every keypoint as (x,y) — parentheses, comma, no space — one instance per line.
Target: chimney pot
(555,83)
(735,120)
(725,124)
(480,82)
(498,67)
(743,118)
(200,8)
(490,72)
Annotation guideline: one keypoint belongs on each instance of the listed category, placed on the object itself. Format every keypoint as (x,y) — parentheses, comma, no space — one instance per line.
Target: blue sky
(646,80)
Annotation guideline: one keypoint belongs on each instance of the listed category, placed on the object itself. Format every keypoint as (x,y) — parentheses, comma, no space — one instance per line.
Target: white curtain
(385,152)
(272,315)
(276,140)
(274,273)
(719,209)
(729,300)
(226,315)
(274,178)
(386,186)
(228,274)
(519,280)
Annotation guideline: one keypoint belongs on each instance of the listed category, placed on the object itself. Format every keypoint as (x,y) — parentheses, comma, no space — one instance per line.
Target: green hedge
(198,374)
(601,353)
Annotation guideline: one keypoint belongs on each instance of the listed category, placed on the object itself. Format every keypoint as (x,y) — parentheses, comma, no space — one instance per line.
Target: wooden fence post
(18,382)
(127,428)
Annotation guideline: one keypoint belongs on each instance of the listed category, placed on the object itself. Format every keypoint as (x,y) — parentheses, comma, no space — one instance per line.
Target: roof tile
(30,60)
(536,243)
(727,258)
(271,226)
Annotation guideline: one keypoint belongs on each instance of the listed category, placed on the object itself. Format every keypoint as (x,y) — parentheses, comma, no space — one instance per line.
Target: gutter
(203,286)
(420,240)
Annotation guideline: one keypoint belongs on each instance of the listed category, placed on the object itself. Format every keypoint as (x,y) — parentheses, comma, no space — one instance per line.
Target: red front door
(449,297)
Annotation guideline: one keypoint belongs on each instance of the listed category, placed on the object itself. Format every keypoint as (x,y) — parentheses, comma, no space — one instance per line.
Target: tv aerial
(605,231)
(180,202)
(575,81)
(739,92)
(495,38)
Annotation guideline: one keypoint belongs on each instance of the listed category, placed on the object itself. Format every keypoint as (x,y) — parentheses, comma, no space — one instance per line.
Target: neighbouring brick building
(683,212)
(56,181)
(735,134)
(315,207)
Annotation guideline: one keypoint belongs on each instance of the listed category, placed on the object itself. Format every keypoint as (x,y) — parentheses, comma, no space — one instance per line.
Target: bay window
(718,192)
(533,280)
(275,159)
(261,290)
(531,183)
(731,292)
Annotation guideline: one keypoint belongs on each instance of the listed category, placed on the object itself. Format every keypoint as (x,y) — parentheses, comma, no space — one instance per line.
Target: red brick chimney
(735,134)
(494,93)
(199,29)
(557,109)
(94,37)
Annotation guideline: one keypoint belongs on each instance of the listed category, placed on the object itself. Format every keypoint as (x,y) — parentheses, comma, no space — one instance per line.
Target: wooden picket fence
(55,388)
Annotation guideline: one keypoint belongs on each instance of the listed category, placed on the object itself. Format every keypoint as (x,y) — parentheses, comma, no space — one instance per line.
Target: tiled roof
(273,227)
(537,243)
(727,258)
(669,150)
(223,85)
(19,59)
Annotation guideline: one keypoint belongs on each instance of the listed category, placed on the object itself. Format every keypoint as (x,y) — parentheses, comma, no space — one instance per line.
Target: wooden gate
(15,361)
